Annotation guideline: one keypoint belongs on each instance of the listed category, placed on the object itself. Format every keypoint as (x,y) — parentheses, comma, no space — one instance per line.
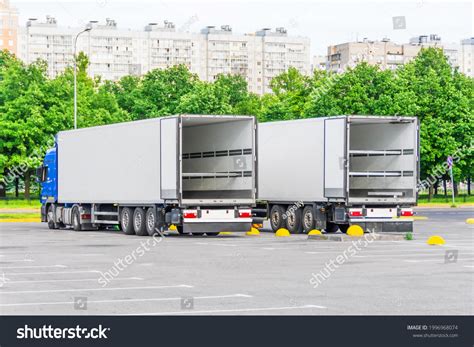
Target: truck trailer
(330,173)
(197,172)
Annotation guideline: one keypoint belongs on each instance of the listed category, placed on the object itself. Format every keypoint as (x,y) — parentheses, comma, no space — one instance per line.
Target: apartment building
(116,52)
(466,57)
(8,26)
(387,54)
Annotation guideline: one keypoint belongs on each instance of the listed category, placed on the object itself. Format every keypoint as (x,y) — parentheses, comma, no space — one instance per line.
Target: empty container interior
(382,165)
(217,158)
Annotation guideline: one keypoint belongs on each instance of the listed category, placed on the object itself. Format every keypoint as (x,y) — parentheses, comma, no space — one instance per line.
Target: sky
(324,22)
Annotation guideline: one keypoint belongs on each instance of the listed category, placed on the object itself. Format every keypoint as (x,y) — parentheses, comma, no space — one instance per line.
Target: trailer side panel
(117,163)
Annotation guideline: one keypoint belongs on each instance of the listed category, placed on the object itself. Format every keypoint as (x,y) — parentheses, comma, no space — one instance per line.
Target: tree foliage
(33,107)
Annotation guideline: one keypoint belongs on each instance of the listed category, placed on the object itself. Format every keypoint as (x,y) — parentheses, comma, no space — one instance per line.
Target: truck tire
(76,219)
(50,218)
(309,222)
(276,217)
(151,221)
(294,219)
(139,222)
(343,227)
(331,228)
(180,229)
(126,221)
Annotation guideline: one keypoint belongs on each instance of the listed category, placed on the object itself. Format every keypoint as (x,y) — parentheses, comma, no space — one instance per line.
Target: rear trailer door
(383,160)
(169,158)
(218,164)
(335,158)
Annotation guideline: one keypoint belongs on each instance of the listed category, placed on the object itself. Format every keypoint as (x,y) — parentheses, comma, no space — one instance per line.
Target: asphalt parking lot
(66,272)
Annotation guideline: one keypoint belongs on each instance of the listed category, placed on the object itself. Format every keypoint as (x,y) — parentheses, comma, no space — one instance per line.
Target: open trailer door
(169,158)
(335,145)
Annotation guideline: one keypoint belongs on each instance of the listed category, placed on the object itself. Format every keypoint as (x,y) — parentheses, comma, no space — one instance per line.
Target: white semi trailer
(196,172)
(329,173)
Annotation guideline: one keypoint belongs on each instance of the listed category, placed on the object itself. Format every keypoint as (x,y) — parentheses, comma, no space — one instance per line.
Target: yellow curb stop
(470,221)
(253,232)
(225,233)
(21,220)
(315,232)
(282,232)
(419,218)
(355,230)
(173,227)
(435,241)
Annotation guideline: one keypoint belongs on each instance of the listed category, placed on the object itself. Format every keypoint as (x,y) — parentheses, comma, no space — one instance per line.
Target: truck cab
(48,179)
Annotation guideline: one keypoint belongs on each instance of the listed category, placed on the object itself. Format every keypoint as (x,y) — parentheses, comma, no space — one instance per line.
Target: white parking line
(216,244)
(78,280)
(52,272)
(185,312)
(95,289)
(420,255)
(124,300)
(434,260)
(20,260)
(32,266)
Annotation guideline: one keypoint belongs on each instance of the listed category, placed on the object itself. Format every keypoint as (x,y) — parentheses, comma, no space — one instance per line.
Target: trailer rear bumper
(217,227)
(384,225)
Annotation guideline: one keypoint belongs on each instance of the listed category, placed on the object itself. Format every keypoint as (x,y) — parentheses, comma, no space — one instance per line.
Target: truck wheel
(331,228)
(276,217)
(343,227)
(151,221)
(308,219)
(76,219)
(293,219)
(126,223)
(50,218)
(180,229)
(139,222)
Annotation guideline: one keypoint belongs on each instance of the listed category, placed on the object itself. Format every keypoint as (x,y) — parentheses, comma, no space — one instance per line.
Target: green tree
(204,98)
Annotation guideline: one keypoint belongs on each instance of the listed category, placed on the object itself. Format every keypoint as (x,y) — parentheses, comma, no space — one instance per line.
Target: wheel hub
(138,220)
(151,221)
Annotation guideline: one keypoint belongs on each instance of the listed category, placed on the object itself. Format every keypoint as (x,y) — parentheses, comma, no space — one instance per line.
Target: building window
(10,43)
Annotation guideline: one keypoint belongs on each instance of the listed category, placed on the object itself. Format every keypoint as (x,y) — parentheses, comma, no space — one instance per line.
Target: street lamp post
(89,28)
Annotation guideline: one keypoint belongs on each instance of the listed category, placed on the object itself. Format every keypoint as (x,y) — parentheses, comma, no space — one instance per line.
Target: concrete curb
(344,237)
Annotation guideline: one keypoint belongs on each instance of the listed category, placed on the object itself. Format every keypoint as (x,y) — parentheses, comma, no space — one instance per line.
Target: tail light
(190,214)
(85,216)
(355,213)
(406,213)
(245,214)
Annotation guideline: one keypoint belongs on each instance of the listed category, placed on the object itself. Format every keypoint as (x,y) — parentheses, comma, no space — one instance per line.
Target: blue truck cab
(48,177)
